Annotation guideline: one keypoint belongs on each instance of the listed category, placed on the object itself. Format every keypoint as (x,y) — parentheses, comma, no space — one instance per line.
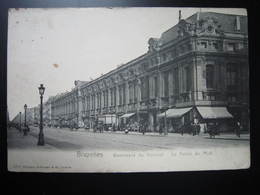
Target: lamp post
(20,127)
(41,136)
(25,129)
(165,124)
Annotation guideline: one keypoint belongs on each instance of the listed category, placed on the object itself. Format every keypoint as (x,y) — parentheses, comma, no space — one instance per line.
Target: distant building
(67,107)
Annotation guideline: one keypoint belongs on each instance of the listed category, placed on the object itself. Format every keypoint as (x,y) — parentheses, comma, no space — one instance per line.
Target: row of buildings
(197,71)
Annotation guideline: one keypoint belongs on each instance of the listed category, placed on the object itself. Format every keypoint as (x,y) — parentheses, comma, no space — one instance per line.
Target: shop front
(176,120)
(214,117)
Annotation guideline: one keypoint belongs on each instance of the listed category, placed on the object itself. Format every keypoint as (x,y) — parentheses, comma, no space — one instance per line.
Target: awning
(175,112)
(161,115)
(127,115)
(214,112)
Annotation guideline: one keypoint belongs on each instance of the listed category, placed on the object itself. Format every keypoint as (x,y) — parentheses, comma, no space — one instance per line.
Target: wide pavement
(66,139)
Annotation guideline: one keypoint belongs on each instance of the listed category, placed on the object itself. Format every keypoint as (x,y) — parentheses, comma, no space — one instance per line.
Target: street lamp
(165,124)
(20,127)
(41,136)
(25,129)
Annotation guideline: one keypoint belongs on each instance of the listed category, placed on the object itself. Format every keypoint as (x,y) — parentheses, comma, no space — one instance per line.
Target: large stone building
(196,71)
(67,107)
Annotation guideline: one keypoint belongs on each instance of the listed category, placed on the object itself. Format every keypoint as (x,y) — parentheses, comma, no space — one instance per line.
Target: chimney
(179,15)
(237,23)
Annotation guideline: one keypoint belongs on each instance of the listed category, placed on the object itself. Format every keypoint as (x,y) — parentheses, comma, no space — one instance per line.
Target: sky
(56,46)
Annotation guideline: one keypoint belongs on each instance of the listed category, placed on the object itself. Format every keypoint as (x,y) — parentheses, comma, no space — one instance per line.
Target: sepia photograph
(133,89)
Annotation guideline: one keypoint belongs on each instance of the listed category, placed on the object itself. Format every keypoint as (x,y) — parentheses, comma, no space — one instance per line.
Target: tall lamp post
(165,124)
(41,136)
(20,127)
(25,129)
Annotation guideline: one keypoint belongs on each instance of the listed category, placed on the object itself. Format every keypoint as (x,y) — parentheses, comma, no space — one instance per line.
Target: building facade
(66,108)
(196,71)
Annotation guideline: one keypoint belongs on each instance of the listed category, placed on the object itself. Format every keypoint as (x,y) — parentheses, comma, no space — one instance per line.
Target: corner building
(197,70)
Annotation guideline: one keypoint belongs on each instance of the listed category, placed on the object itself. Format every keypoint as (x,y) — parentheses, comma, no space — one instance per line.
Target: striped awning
(214,112)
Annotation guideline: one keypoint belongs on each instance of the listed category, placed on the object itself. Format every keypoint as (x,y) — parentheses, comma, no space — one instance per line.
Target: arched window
(209,76)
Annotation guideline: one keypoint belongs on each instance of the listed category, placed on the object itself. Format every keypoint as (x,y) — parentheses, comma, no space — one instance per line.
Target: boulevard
(81,139)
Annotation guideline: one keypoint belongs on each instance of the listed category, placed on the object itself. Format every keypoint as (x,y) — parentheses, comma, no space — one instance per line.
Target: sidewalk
(16,140)
(230,136)
(223,136)
(233,136)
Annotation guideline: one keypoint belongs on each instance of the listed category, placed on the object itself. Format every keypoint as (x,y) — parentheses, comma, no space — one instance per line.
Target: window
(189,47)
(135,92)
(173,53)
(203,44)
(156,86)
(232,98)
(111,97)
(231,76)
(231,46)
(114,96)
(176,81)
(124,94)
(188,78)
(120,95)
(130,93)
(164,57)
(142,89)
(210,76)
(166,84)
(215,45)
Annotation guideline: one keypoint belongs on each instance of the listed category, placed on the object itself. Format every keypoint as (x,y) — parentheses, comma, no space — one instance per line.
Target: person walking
(238,128)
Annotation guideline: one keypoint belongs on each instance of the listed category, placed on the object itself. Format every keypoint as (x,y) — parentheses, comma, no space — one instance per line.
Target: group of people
(212,128)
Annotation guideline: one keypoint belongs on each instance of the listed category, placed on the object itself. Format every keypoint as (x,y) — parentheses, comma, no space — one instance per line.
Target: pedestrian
(160,128)
(198,129)
(27,128)
(143,127)
(238,128)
